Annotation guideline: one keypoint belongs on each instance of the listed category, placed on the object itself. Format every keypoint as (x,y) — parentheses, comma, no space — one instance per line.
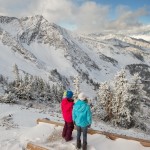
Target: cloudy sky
(83,15)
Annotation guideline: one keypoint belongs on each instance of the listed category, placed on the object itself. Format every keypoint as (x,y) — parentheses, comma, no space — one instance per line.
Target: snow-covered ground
(18,127)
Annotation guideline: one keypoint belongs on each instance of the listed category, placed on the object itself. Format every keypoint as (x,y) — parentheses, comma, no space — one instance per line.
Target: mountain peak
(6,19)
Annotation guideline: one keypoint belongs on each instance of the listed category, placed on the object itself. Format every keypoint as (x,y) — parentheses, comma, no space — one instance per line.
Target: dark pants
(67,131)
(84,130)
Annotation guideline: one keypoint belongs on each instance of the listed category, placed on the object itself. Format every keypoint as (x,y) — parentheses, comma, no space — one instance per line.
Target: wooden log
(112,136)
(32,146)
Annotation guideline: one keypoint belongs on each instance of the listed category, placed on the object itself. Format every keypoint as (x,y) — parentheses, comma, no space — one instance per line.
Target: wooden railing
(111,136)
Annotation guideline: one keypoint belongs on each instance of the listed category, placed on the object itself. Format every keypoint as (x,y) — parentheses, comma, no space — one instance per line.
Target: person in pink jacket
(67,107)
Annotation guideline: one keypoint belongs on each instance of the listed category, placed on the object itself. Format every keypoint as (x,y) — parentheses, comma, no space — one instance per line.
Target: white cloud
(91,17)
(88,16)
(126,18)
(15,7)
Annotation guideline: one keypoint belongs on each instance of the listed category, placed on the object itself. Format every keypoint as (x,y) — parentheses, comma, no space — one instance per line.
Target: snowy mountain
(40,48)
(34,46)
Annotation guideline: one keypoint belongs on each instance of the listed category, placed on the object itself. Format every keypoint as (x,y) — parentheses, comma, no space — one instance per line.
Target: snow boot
(79,144)
(84,146)
(68,139)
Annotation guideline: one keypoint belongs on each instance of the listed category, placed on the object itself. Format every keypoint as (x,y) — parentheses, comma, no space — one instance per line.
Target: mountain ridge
(38,47)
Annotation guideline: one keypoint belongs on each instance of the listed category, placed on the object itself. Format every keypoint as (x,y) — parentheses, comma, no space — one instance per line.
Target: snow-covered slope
(18,127)
(38,47)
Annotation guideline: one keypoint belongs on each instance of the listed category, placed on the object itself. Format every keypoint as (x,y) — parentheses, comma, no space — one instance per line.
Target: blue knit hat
(69,94)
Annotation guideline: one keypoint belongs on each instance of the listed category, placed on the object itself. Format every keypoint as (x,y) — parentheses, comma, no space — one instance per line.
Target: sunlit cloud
(80,15)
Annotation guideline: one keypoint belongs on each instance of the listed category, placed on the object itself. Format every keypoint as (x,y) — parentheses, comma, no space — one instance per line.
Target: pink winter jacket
(66,107)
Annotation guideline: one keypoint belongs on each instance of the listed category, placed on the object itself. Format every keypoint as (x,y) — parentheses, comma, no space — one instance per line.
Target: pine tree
(60,93)
(121,112)
(47,92)
(76,83)
(4,83)
(26,79)
(16,72)
(136,93)
(105,99)
(131,99)
(8,98)
(54,93)
(125,117)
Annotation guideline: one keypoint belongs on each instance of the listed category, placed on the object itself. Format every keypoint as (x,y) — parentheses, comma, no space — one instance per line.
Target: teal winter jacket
(82,115)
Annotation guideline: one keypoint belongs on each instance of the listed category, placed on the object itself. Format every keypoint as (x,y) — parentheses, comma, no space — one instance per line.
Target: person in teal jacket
(82,118)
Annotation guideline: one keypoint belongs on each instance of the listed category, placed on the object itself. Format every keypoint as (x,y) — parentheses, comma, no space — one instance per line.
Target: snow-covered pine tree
(125,117)
(39,88)
(28,92)
(57,94)
(16,72)
(4,83)
(60,93)
(3,80)
(136,93)
(76,83)
(105,99)
(47,92)
(20,87)
(26,79)
(121,112)
(8,98)
(131,101)
(54,91)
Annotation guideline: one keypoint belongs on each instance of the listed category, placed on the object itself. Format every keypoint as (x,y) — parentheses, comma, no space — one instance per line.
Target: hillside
(38,47)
